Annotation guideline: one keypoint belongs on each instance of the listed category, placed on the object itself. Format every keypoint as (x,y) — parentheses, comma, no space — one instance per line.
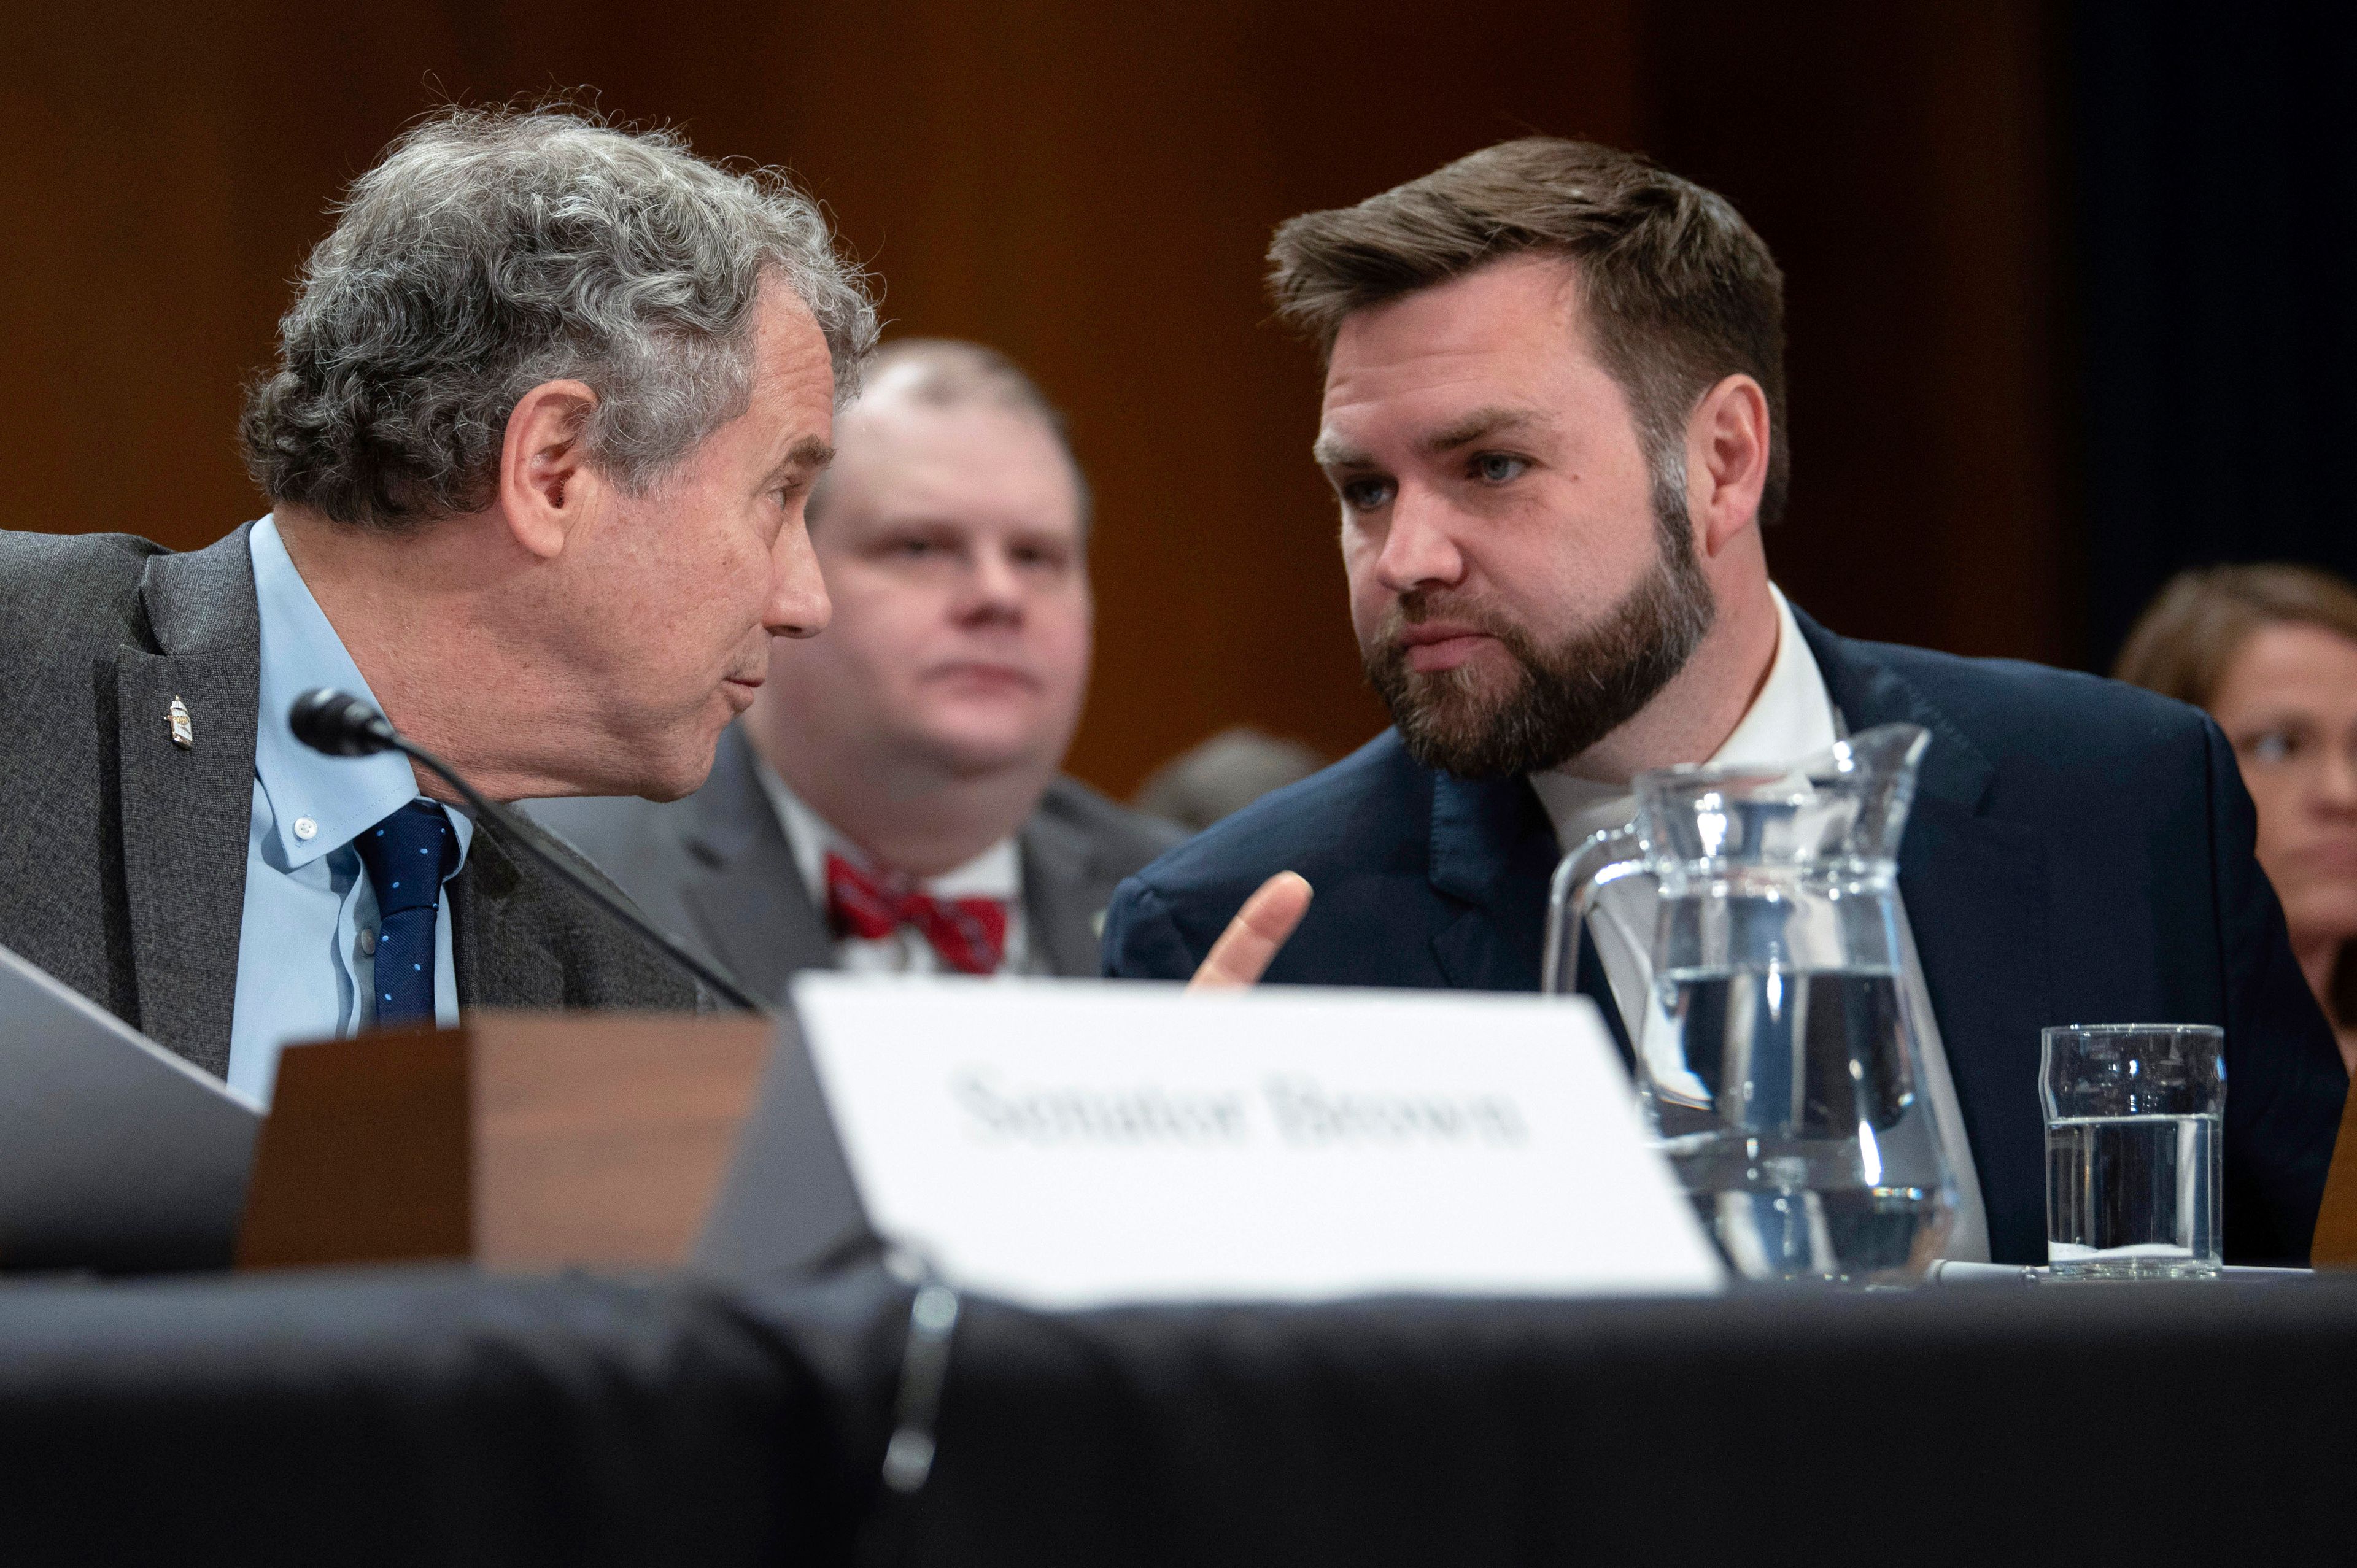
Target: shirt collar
(336,798)
(995,872)
(1793,717)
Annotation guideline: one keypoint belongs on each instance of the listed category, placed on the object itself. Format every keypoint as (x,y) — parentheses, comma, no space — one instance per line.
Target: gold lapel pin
(183,735)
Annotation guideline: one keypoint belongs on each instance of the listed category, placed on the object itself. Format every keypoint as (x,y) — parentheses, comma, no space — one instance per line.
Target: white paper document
(114,1153)
(1071,1143)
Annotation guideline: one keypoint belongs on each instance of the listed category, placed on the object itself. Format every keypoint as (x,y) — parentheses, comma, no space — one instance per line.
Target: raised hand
(1242,954)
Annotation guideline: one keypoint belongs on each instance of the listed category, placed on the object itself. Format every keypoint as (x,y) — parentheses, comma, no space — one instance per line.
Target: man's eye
(1497,468)
(1366,495)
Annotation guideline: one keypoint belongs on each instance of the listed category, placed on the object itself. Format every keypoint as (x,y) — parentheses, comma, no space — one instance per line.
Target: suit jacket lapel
(1974,887)
(746,892)
(503,952)
(187,812)
(1060,901)
(1494,852)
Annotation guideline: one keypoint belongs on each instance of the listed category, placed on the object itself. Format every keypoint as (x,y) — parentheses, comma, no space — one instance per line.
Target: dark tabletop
(443,1417)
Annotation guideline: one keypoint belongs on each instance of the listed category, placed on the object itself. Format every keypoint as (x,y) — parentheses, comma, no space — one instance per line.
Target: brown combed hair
(2184,643)
(1680,291)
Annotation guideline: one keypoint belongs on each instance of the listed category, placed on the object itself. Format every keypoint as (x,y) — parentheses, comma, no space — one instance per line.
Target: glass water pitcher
(1751,917)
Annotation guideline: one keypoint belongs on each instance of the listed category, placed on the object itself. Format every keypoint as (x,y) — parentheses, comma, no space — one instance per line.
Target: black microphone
(341,725)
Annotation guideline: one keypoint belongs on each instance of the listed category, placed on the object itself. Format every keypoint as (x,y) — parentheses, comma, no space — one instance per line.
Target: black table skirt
(438,1417)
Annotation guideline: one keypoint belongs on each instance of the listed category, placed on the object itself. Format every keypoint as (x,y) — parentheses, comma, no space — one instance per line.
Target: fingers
(1242,954)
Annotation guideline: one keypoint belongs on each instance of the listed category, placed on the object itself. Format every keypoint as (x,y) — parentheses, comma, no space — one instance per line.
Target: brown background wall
(1094,195)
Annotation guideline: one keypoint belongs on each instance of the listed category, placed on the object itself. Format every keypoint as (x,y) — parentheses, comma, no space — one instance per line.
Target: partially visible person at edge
(1553,421)
(892,803)
(549,404)
(2270,651)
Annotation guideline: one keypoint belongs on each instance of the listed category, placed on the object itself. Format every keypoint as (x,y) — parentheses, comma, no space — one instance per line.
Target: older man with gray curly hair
(548,408)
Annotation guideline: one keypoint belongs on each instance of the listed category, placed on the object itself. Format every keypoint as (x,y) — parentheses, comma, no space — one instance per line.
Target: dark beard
(1565,698)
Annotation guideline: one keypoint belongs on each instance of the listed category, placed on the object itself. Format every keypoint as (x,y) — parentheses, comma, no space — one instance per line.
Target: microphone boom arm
(344,725)
(728,990)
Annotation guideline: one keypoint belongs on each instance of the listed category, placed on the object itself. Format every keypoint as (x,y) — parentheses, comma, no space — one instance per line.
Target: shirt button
(368,939)
(305,829)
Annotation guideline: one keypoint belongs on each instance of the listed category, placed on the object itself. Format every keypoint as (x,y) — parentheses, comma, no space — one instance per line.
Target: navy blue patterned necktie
(407,856)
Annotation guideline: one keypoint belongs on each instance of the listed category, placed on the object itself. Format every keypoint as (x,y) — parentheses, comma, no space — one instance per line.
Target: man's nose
(798,605)
(1419,549)
(994,588)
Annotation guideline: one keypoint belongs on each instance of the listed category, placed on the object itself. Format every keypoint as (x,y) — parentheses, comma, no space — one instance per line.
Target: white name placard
(1071,1143)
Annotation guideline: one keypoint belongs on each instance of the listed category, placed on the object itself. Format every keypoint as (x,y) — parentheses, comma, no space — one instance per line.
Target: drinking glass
(2133,1113)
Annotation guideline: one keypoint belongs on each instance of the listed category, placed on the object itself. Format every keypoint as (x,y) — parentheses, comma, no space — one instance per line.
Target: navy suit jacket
(2079,852)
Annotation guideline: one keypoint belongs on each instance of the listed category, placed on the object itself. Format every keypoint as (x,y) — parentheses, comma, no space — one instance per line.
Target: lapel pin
(183,735)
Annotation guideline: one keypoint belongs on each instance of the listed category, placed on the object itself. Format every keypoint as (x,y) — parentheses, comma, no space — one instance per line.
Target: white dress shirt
(997,873)
(1792,718)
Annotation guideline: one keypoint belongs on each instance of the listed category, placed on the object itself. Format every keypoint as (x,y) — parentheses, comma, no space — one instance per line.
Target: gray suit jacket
(123,864)
(716,871)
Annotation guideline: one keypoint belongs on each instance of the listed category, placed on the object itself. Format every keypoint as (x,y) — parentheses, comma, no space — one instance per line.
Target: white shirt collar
(995,872)
(1793,717)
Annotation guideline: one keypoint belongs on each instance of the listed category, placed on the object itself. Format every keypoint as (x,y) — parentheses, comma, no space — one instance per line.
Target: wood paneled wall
(1898,159)
(1092,190)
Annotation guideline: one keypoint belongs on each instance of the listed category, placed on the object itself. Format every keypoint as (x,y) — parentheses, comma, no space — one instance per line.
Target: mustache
(1421,604)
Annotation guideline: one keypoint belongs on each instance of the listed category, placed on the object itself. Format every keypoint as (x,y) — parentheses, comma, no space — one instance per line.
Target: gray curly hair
(491,250)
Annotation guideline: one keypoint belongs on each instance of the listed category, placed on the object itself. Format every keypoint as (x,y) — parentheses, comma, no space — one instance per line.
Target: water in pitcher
(2132,1197)
(1787,1105)
(1780,1061)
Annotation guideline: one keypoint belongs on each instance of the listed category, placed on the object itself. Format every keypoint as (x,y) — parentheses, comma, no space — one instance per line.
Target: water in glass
(2133,1113)
(2132,1197)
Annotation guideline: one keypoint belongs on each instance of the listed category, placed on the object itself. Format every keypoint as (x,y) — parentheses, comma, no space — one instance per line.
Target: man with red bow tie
(891,803)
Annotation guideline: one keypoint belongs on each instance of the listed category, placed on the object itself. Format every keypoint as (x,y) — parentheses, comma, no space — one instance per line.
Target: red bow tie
(969,933)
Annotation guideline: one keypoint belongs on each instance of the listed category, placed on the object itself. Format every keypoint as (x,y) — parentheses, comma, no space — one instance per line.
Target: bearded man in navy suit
(1554,420)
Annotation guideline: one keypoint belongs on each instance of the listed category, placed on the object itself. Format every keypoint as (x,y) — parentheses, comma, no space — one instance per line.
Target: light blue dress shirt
(307,944)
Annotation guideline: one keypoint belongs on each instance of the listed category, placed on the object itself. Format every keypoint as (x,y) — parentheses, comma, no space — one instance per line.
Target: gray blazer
(715,870)
(122,865)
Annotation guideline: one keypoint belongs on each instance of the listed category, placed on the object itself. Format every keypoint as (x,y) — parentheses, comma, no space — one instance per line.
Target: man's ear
(1727,460)
(544,478)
